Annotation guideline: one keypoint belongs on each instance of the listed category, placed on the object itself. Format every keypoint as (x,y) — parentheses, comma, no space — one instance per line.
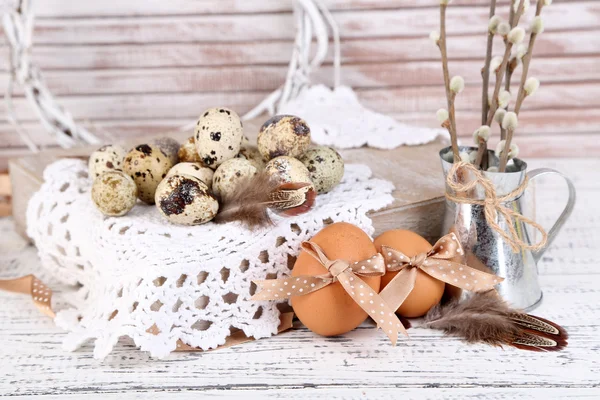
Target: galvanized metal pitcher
(485,249)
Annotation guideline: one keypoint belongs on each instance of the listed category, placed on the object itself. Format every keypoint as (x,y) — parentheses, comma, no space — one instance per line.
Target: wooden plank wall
(146,66)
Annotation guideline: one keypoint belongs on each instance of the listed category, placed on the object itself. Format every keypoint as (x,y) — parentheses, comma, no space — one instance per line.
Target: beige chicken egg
(283,135)
(185,200)
(187,152)
(114,193)
(326,167)
(106,158)
(194,169)
(230,174)
(169,146)
(147,165)
(288,169)
(218,136)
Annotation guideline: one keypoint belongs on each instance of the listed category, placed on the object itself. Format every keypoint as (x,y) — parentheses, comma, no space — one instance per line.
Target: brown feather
(486,318)
(248,203)
(292,199)
(252,198)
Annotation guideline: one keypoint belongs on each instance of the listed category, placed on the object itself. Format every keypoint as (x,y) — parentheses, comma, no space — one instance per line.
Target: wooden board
(277,52)
(358,365)
(415,171)
(138,64)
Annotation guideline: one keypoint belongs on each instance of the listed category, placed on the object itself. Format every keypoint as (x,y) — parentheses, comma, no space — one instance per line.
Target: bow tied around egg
(436,263)
(349,276)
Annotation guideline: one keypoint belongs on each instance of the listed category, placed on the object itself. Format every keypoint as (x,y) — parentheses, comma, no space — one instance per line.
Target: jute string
(493,205)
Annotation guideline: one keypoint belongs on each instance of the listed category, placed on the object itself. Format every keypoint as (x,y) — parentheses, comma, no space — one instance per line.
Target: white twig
(18,28)
(312,20)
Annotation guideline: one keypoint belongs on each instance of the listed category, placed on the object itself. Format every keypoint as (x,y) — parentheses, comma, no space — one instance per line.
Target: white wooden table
(361,364)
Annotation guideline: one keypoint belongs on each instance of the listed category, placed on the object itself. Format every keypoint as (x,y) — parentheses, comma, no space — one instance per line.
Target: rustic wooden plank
(536,145)
(260,77)
(533,122)
(64,8)
(299,364)
(409,99)
(251,27)
(298,359)
(567,145)
(386,100)
(366,392)
(358,50)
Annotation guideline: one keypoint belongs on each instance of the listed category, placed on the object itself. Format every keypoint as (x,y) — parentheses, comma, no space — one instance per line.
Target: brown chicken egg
(428,291)
(331,311)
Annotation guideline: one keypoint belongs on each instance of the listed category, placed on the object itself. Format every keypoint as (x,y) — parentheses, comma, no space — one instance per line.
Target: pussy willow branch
(450,96)
(502,69)
(486,68)
(511,14)
(482,146)
(511,68)
(521,94)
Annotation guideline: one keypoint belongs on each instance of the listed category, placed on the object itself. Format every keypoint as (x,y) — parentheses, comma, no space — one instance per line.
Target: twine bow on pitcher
(435,263)
(493,205)
(348,275)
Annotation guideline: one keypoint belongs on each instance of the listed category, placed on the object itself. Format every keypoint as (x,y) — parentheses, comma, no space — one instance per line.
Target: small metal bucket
(485,249)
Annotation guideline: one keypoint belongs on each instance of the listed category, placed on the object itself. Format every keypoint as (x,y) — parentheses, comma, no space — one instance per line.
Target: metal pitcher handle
(563,216)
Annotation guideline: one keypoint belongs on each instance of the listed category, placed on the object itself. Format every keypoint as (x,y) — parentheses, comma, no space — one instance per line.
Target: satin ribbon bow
(435,263)
(348,275)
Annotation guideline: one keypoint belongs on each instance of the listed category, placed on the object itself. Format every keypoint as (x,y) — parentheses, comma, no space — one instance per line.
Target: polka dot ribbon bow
(435,263)
(348,275)
(29,284)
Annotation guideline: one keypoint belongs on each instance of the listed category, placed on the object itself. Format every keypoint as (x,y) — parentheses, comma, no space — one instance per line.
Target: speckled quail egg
(230,174)
(147,165)
(283,135)
(287,169)
(114,193)
(187,152)
(169,146)
(196,169)
(218,135)
(326,167)
(106,158)
(185,200)
(253,155)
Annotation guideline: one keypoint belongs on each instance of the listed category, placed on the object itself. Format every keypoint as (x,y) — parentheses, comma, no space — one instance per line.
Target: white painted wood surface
(131,67)
(361,364)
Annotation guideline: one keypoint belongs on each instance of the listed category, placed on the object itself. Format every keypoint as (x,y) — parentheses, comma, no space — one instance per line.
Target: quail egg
(287,169)
(169,146)
(187,152)
(185,200)
(114,193)
(326,167)
(147,165)
(283,135)
(106,158)
(194,169)
(230,174)
(218,136)
(253,155)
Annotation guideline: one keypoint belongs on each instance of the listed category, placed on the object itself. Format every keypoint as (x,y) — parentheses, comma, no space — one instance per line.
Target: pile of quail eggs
(187,181)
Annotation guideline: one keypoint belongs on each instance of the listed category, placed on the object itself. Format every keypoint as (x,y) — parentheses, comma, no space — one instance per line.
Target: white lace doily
(336,118)
(139,274)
